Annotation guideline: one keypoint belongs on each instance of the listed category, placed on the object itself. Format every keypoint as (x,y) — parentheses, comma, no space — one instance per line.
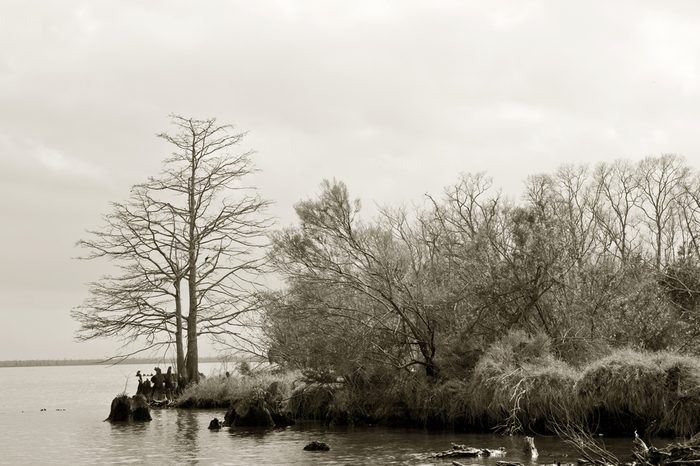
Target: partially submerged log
(463,451)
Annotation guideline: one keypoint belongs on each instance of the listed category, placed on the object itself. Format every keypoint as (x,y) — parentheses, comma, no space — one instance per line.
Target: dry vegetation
(518,386)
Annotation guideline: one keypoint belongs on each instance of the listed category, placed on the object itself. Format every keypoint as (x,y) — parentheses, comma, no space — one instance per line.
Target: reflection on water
(78,435)
(188,427)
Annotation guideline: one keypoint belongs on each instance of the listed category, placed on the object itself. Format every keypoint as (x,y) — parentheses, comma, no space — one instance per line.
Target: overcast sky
(394,98)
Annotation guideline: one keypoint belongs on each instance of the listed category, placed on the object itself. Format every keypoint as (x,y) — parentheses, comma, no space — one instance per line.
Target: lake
(77,400)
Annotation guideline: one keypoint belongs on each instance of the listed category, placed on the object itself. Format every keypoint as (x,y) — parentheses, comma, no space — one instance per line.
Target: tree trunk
(192,353)
(428,352)
(180,367)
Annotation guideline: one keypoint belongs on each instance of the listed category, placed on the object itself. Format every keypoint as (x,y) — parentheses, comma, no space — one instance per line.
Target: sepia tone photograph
(324,232)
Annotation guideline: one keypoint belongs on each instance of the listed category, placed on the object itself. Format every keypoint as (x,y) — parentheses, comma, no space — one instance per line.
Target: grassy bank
(222,392)
(518,385)
(628,389)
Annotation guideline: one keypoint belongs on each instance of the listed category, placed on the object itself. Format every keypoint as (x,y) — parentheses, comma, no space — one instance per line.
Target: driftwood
(164,403)
(676,454)
(463,451)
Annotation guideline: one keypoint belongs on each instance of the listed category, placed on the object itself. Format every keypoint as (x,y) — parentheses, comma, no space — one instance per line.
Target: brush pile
(676,454)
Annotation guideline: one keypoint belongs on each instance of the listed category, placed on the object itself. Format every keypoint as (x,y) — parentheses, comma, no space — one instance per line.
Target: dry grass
(311,401)
(652,387)
(518,385)
(221,392)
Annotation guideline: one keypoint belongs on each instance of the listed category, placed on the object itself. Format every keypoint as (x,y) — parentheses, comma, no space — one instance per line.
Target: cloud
(37,159)
(393,97)
(59,163)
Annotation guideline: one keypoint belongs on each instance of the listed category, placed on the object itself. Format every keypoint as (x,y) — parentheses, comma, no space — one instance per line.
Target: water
(77,399)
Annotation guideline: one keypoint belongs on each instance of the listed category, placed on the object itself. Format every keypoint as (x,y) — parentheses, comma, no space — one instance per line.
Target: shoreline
(89,362)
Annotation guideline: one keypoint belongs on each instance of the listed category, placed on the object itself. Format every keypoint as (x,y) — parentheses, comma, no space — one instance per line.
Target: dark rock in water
(139,408)
(229,417)
(120,409)
(253,415)
(317,446)
(283,419)
(215,424)
(124,409)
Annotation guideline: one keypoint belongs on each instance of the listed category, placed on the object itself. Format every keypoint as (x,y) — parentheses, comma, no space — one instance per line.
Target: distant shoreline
(90,362)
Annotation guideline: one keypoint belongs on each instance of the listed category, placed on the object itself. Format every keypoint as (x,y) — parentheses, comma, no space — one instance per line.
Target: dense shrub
(634,389)
(519,385)
(222,392)
(312,401)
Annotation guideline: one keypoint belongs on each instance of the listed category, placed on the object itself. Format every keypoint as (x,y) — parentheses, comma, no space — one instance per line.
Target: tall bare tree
(144,300)
(661,181)
(618,185)
(222,226)
(197,222)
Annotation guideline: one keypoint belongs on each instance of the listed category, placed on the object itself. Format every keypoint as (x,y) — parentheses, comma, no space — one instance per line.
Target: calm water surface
(77,399)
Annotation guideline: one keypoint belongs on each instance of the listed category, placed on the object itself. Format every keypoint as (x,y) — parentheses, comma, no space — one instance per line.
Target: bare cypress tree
(140,237)
(194,222)
(222,226)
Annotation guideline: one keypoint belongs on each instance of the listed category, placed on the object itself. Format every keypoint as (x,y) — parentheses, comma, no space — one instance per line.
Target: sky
(395,98)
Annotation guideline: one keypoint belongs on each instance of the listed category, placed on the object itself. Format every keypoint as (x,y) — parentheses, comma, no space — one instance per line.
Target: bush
(634,389)
(222,392)
(518,384)
(311,401)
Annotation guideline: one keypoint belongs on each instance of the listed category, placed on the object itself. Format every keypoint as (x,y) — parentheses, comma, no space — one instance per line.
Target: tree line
(593,257)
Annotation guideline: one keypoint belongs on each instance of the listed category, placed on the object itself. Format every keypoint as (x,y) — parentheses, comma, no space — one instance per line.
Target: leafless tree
(617,183)
(222,226)
(197,222)
(660,181)
(144,300)
(386,273)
